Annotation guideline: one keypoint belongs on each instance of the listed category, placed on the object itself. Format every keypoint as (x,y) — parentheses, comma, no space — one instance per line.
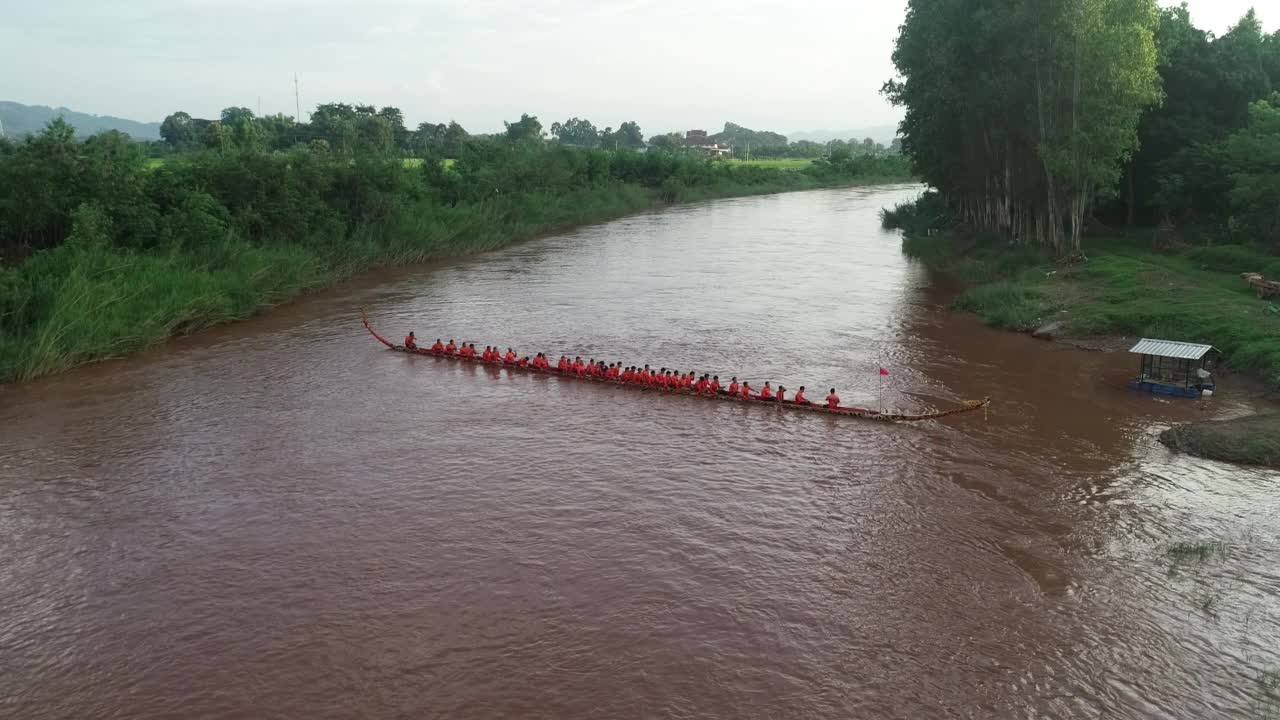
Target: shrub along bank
(103,253)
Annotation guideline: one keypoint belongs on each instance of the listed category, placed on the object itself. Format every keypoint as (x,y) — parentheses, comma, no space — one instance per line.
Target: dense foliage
(1031,117)
(108,250)
(1021,111)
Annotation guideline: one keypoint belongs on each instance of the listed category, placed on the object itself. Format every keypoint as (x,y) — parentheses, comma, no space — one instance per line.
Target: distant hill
(883,134)
(18,120)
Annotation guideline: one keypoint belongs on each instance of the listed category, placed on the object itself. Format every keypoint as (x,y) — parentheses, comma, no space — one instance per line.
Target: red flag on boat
(883,371)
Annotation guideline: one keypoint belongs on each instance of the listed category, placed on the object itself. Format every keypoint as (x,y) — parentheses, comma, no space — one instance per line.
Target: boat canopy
(1172,349)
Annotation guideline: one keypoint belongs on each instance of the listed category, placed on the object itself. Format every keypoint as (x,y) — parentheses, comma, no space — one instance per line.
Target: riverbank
(213,238)
(1253,440)
(1125,289)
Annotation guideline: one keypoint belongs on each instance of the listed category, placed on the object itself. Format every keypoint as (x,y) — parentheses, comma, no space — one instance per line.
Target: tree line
(351,129)
(1033,117)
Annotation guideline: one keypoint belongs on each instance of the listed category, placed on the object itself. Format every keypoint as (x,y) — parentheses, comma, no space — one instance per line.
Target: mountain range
(17,120)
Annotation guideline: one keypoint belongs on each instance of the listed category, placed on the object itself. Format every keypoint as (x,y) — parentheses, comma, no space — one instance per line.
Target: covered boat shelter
(1174,368)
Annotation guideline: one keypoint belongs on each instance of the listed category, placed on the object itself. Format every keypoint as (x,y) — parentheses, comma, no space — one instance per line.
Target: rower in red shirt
(766,392)
(410,341)
(450,348)
(700,385)
(733,385)
(438,347)
(577,366)
(800,397)
(510,357)
(643,378)
(714,387)
(833,400)
(471,350)
(523,362)
(746,389)
(563,364)
(782,394)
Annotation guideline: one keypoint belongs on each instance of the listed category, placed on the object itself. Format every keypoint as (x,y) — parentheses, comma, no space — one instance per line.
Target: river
(279,518)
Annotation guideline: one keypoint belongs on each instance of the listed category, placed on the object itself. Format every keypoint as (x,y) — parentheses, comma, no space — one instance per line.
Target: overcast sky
(668,64)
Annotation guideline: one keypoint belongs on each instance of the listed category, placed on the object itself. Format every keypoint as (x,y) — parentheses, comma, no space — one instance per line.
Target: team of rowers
(633,375)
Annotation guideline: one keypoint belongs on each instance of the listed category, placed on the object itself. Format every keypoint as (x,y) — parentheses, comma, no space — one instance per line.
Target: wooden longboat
(856,412)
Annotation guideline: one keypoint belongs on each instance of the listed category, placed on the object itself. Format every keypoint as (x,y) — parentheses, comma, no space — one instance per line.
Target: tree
(454,139)
(1021,112)
(629,136)
(178,131)
(1253,156)
(575,131)
(395,119)
(526,129)
(668,142)
(217,136)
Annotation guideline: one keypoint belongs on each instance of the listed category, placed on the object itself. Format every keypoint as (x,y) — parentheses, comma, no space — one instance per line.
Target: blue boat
(1175,368)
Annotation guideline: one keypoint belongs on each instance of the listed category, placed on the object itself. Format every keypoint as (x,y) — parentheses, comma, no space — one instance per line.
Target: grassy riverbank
(1253,440)
(1124,288)
(110,253)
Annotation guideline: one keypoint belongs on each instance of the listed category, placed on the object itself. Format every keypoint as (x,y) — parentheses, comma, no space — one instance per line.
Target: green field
(776,163)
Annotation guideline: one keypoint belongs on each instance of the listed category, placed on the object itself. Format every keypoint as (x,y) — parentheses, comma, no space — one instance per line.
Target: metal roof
(1171,349)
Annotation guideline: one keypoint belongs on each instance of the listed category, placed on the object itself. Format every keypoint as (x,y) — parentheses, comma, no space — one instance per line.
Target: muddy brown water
(282,519)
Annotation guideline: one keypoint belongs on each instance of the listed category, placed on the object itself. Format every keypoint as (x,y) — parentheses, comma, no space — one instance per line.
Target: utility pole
(297,102)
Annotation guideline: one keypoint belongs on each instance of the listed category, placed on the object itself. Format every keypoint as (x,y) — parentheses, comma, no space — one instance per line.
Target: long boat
(863,413)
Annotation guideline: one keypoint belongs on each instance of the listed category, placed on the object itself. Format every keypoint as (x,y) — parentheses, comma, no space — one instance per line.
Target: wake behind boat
(525,365)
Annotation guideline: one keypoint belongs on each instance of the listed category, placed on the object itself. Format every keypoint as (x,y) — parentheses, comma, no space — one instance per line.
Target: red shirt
(782,395)
(410,343)
(800,397)
(733,388)
(700,386)
(714,387)
(766,393)
(438,347)
(450,348)
(563,364)
(746,390)
(833,400)
(523,362)
(510,357)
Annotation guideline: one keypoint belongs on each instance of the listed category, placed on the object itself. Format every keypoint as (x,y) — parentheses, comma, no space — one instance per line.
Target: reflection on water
(279,518)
